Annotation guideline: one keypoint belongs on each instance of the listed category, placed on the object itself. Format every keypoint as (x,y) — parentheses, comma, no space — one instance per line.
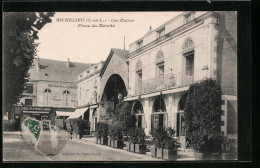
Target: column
(147,113)
(91,119)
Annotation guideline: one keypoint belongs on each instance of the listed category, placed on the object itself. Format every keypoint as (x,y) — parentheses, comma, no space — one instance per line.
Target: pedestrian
(71,131)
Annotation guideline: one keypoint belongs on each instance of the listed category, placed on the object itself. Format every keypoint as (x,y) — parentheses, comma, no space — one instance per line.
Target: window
(188,53)
(46,96)
(66,93)
(139,114)
(29,88)
(190,65)
(28,102)
(139,44)
(160,73)
(160,32)
(159,60)
(188,17)
(160,69)
(47,90)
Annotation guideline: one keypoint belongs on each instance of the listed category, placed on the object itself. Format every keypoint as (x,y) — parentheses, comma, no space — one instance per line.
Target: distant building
(51,90)
(88,95)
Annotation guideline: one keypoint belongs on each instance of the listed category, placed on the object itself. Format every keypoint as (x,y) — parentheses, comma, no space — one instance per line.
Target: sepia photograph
(120,86)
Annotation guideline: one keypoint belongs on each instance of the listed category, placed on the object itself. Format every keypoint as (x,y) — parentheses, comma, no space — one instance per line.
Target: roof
(54,70)
(121,53)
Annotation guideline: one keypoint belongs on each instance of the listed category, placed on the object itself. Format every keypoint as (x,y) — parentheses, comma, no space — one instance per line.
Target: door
(139,121)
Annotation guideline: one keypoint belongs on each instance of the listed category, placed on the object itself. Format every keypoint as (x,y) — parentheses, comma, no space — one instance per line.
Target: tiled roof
(121,53)
(54,70)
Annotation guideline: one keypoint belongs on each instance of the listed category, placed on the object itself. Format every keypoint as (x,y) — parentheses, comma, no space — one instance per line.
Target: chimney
(68,62)
(150,27)
(37,62)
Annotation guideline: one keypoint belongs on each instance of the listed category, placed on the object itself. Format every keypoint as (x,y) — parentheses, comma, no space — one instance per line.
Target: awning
(175,90)
(77,113)
(63,113)
(36,112)
(131,98)
(151,95)
(94,106)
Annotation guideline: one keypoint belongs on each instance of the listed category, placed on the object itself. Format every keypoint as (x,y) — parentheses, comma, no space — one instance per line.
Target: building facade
(88,93)
(52,89)
(166,61)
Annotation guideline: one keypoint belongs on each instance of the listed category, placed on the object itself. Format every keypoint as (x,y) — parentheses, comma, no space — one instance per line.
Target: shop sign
(62,86)
(37,108)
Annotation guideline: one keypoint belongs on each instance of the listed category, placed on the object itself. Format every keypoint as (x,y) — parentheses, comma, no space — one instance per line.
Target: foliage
(163,138)
(170,144)
(79,125)
(202,114)
(229,146)
(20,33)
(115,132)
(98,130)
(121,121)
(12,125)
(123,117)
(133,133)
(141,136)
(102,130)
(137,135)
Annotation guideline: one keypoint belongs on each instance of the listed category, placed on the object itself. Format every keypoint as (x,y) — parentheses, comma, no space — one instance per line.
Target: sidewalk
(183,155)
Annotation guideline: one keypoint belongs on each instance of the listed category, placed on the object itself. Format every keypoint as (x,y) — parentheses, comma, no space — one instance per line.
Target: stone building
(88,95)
(167,60)
(51,90)
(114,80)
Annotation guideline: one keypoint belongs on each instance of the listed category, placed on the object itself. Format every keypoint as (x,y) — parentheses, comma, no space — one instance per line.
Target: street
(15,149)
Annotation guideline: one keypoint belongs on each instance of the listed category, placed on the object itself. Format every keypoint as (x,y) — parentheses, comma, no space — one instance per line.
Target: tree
(122,117)
(202,114)
(20,33)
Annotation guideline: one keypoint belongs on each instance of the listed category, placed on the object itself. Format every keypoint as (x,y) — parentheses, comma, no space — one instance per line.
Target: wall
(202,35)
(91,84)
(169,26)
(115,66)
(56,97)
(227,52)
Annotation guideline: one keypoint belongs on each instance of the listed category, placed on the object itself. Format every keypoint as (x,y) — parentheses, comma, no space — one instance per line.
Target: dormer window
(46,74)
(139,44)
(188,17)
(160,32)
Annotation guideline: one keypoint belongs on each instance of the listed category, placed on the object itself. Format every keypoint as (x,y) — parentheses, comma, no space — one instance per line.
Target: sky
(65,37)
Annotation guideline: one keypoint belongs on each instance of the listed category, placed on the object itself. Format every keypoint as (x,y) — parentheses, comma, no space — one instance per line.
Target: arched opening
(65,95)
(114,86)
(159,115)
(180,117)
(46,96)
(138,111)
